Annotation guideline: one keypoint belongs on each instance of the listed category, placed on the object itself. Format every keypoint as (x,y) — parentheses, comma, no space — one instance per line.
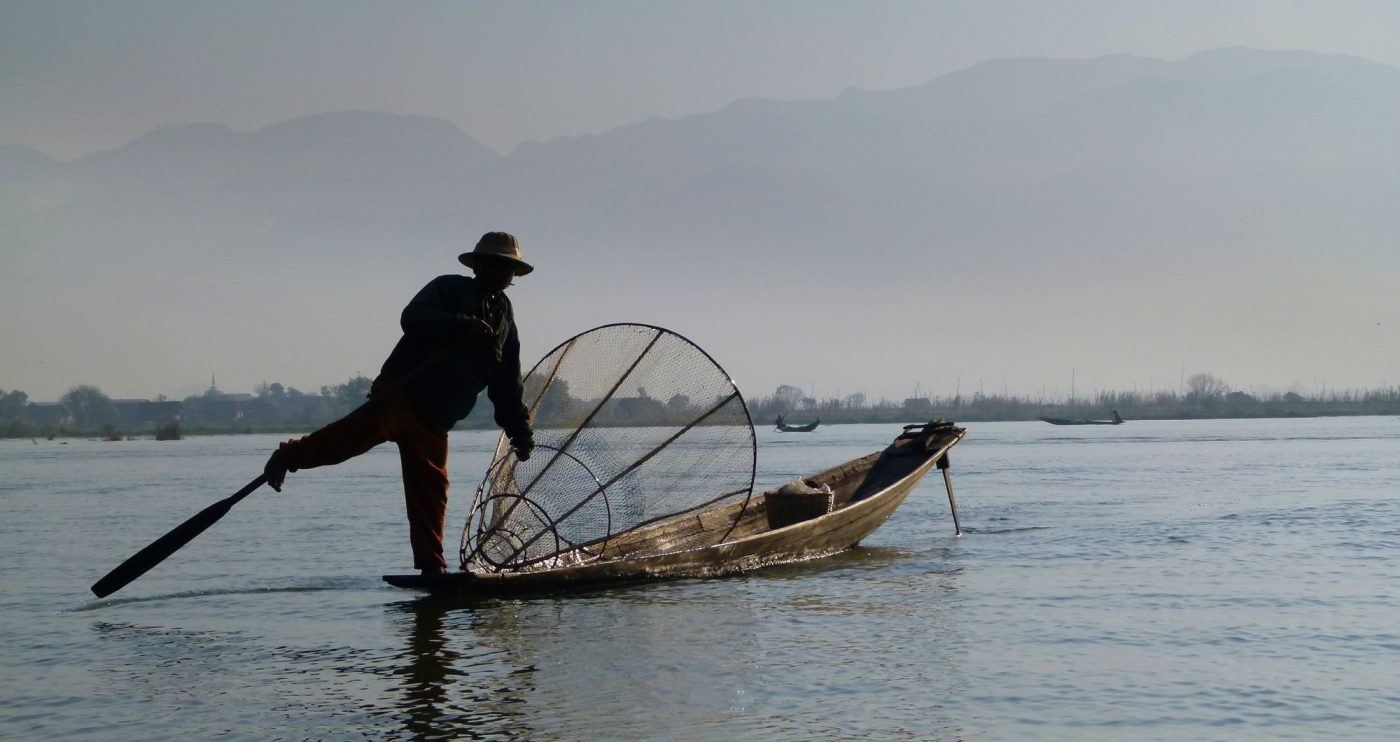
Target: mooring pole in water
(953,504)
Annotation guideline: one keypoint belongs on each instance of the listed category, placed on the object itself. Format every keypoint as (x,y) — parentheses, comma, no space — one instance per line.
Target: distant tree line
(1204,396)
(85,411)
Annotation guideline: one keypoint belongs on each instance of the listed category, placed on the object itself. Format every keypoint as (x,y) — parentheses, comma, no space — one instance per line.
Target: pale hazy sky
(81,76)
(77,77)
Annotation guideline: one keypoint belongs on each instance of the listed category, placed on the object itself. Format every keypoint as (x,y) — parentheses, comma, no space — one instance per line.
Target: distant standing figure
(459,337)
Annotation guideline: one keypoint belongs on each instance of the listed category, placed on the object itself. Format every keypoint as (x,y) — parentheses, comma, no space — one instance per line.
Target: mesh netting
(633,425)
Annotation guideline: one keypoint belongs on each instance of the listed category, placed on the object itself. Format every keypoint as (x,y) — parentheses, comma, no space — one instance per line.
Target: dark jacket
(444,384)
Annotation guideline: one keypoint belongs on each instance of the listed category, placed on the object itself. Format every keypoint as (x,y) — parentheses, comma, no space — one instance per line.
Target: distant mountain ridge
(1015,176)
(984,115)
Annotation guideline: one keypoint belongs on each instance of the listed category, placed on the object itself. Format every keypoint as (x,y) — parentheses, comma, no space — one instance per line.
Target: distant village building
(639,410)
(216,407)
(45,413)
(137,413)
(918,404)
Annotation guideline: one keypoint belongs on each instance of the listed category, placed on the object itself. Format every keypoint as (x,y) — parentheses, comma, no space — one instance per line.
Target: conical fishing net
(634,425)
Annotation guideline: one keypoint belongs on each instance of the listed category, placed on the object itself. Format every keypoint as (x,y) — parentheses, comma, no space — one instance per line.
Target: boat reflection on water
(452,683)
(692,659)
(616,663)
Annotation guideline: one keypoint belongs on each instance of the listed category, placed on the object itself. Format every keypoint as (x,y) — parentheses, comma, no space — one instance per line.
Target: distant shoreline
(826,420)
(86,412)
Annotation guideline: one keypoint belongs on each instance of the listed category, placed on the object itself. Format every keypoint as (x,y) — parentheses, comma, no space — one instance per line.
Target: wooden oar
(143,560)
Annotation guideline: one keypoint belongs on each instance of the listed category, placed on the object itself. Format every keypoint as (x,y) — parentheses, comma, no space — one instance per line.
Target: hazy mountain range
(1237,211)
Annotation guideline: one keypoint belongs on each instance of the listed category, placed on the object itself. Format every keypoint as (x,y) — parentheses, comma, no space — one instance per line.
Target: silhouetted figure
(459,337)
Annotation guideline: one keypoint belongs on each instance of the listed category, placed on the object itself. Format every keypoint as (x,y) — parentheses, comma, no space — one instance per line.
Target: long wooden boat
(1083,421)
(809,427)
(772,528)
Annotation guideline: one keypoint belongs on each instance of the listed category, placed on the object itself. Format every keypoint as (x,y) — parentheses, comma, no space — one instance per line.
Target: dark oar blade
(143,560)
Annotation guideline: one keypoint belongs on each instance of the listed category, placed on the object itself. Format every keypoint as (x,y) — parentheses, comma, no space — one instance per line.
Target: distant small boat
(784,427)
(1083,421)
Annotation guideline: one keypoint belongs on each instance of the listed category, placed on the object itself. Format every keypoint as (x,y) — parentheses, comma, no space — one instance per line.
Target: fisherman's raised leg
(343,439)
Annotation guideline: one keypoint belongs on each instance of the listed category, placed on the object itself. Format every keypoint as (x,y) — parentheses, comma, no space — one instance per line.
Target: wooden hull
(866,491)
(1117,420)
(809,427)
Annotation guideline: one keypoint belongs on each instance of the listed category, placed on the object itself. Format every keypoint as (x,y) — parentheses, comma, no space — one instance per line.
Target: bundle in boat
(797,501)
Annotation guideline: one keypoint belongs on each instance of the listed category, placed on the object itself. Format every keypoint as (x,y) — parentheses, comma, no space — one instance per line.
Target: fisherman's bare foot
(276,469)
(426,571)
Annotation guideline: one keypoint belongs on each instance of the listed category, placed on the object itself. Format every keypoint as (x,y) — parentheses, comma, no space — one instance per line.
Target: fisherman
(459,336)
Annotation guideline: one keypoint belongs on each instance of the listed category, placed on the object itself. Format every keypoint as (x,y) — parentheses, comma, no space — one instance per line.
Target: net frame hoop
(601,403)
(479,552)
(482,529)
(633,467)
(525,492)
(660,331)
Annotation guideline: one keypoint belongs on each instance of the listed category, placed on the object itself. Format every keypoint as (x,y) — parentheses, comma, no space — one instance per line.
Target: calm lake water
(1159,580)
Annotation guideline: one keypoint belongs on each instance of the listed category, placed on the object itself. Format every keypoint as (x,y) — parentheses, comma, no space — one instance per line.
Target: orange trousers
(422,454)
